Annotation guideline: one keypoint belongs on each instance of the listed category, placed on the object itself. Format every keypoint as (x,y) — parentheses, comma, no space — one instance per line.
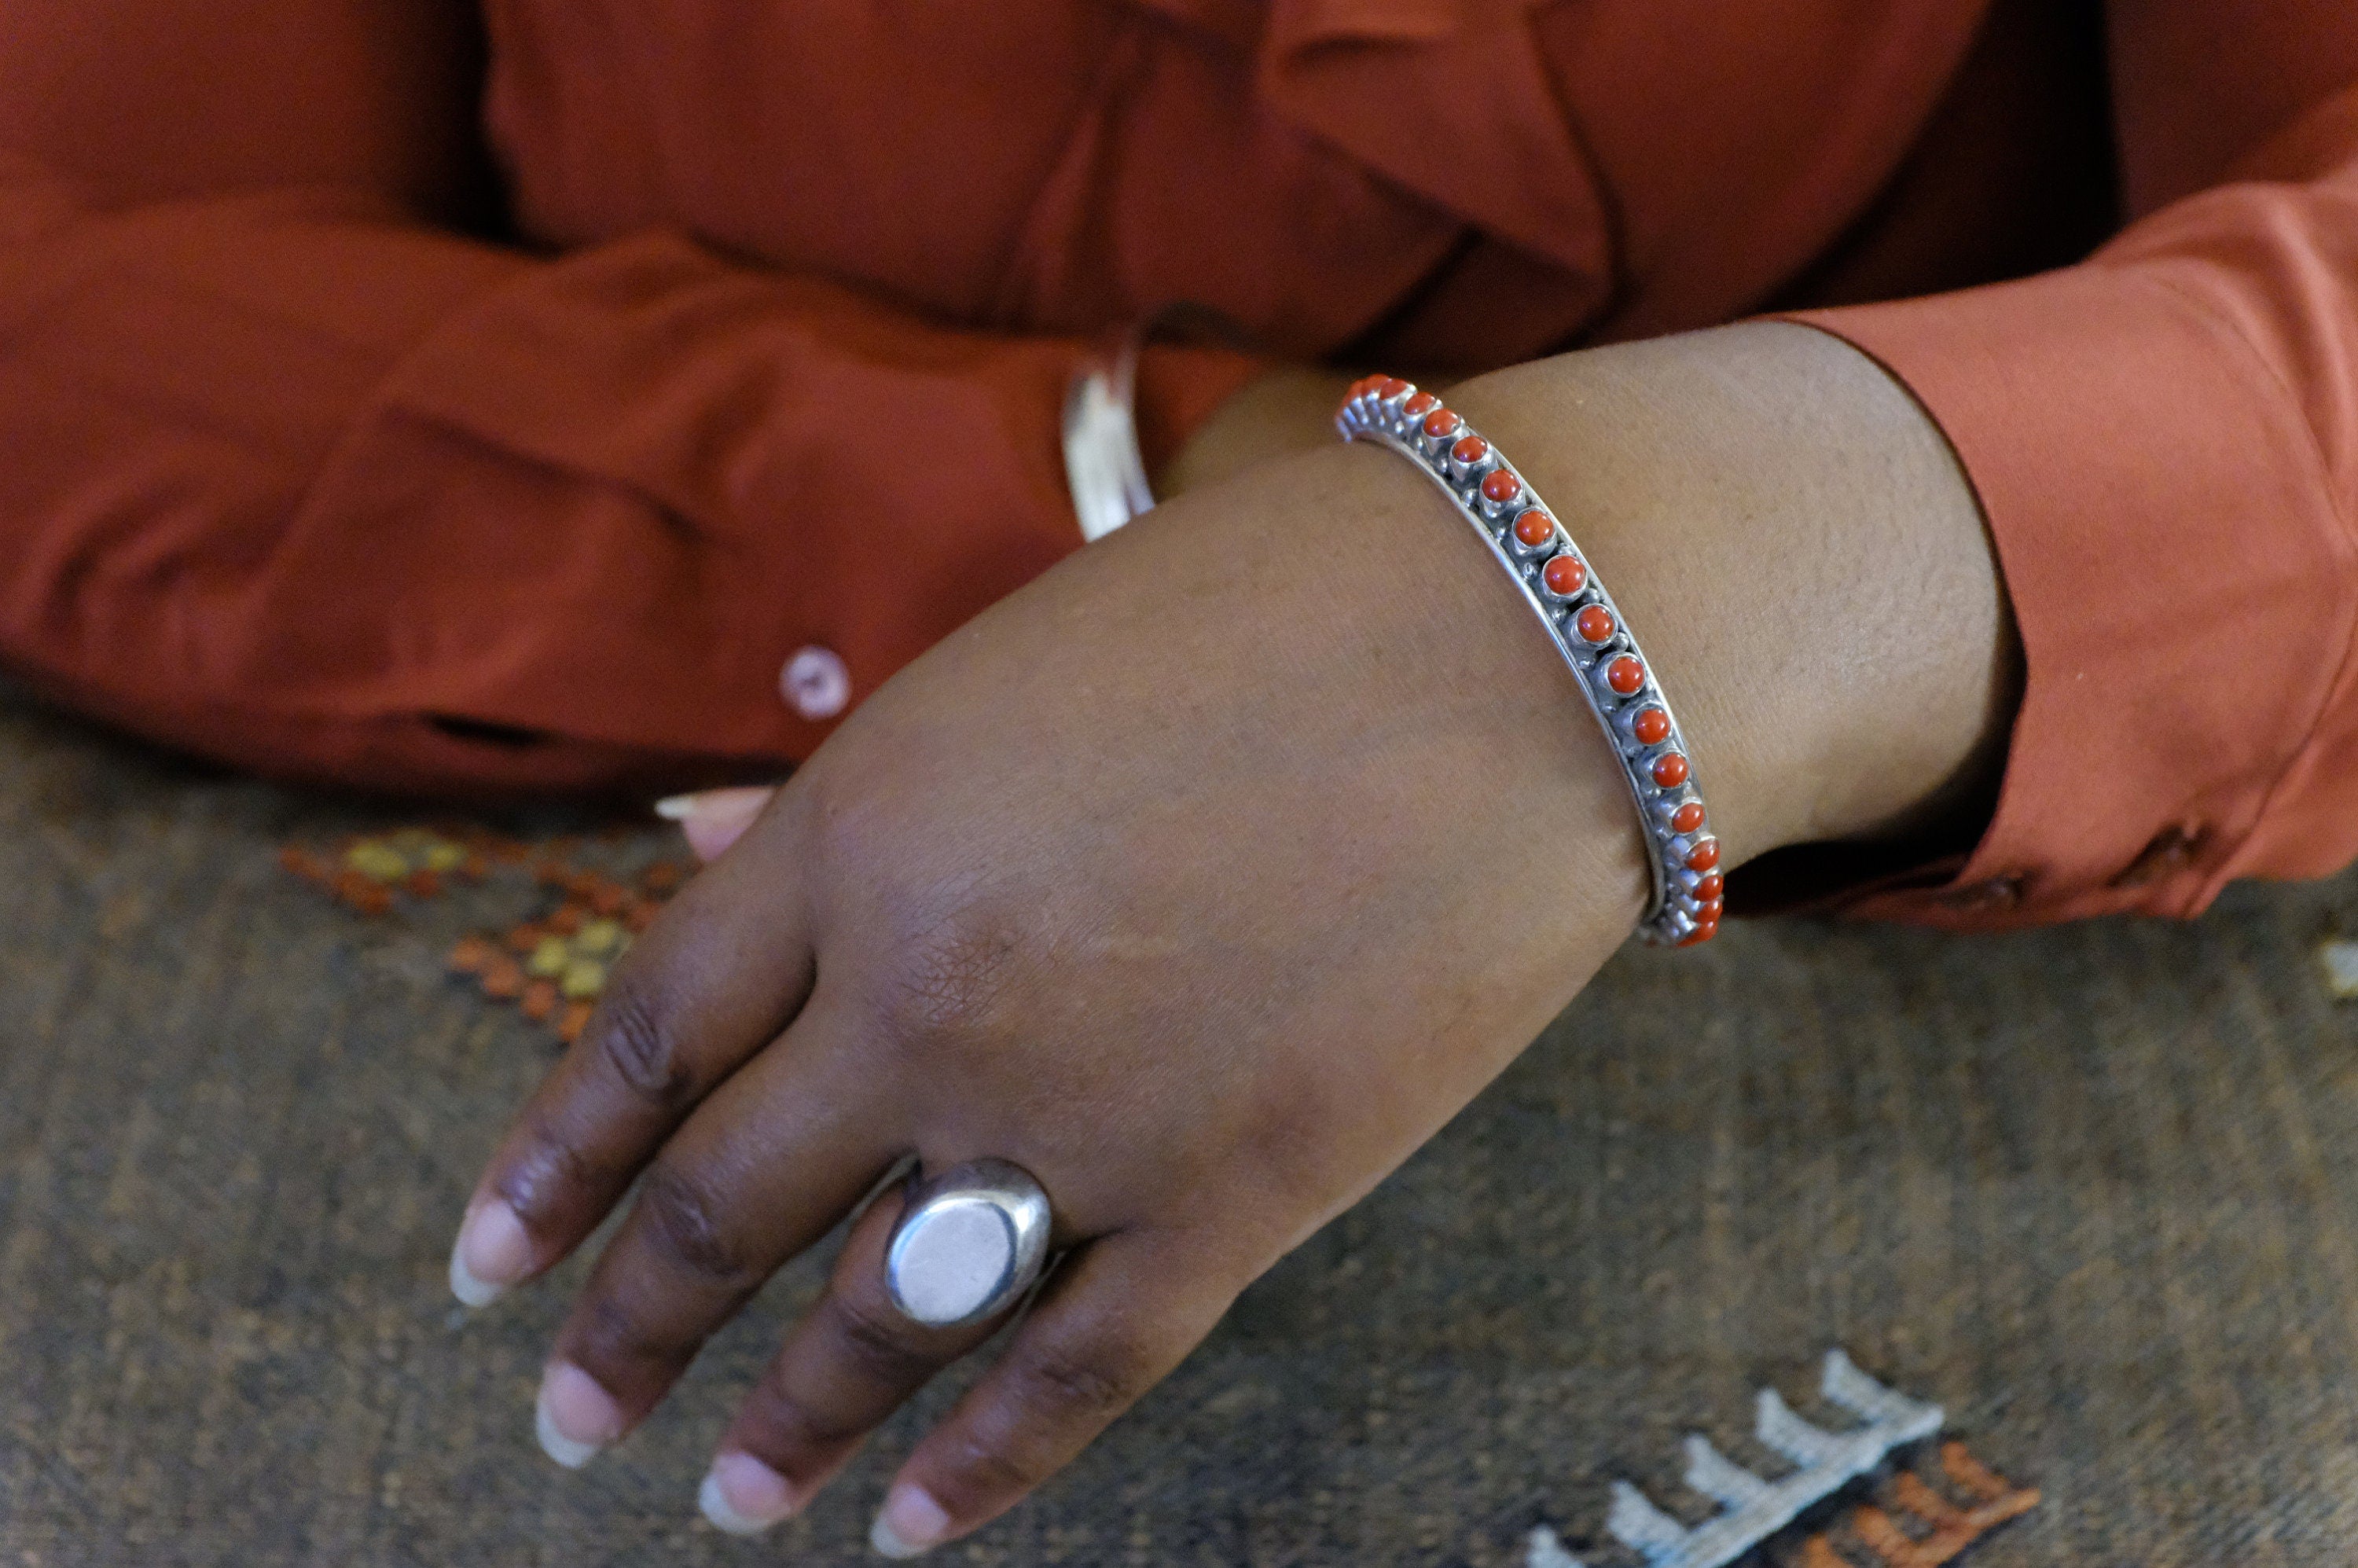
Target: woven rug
(2093,1190)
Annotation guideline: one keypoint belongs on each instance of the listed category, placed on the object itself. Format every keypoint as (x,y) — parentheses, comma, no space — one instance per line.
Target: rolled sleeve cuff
(2175,566)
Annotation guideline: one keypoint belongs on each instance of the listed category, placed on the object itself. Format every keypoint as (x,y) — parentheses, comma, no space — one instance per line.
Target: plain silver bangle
(1103,464)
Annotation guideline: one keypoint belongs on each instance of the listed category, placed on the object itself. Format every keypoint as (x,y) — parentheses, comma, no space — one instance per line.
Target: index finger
(718,977)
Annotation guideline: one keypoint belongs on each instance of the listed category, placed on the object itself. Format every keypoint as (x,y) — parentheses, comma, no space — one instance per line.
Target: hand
(1204,879)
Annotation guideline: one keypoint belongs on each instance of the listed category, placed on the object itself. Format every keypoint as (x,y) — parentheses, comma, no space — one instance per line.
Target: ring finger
(850,1363)
(762,1170)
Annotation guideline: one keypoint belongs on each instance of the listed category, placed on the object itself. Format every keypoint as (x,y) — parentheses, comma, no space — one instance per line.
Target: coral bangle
(1586,627)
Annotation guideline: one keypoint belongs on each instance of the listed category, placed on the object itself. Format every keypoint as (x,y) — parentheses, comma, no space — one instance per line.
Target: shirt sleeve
(298,483)
(2164,440)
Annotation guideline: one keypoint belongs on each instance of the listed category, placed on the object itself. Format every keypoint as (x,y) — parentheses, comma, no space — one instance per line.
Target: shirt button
(1998,892)
(816,683)
(2173,849)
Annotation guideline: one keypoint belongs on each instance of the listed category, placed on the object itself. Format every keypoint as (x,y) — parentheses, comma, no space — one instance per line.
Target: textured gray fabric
(2093,1189)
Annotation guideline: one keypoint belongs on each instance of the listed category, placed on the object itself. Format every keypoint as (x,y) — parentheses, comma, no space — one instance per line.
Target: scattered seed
(575,1018)
(549,959)
(473,956)
(540,1002)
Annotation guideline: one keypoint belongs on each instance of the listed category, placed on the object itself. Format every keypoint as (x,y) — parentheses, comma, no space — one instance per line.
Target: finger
(714,818)
(850,1363)
(761,1171)
(717,976)
(1105,1331)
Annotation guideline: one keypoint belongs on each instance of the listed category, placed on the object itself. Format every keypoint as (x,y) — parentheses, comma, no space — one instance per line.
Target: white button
(816,683)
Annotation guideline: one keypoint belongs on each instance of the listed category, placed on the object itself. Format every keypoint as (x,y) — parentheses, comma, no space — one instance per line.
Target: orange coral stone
(1565,575)
(1534,527)
(1500,487)
(1703,855)
(1670,770)
(1440,423)
(1653,727)
(1595,626)
(1394,387)
(1688,817)
(1422,403)
(1625,674)
(1470,450)
(1711,887)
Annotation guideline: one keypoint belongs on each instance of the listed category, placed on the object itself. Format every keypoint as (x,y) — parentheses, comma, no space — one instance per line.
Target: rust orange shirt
(307,463)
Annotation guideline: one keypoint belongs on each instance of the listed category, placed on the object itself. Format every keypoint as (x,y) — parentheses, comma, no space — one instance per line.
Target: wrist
(1796,547)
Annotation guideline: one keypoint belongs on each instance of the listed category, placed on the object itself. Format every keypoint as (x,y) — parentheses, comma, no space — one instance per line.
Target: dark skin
(1209,875)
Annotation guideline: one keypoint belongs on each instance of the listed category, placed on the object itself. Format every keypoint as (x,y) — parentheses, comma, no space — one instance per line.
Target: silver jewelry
(1103,464)
(969,1242)
(1585,626)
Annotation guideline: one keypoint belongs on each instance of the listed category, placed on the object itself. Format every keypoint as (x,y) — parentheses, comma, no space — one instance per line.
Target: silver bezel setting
(1673,912)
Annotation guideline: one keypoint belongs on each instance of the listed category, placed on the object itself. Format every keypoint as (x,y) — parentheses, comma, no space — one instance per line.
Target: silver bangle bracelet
(1103,465)
(1585,626)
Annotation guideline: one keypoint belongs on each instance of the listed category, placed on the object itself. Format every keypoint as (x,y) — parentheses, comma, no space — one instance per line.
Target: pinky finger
(1111,1324)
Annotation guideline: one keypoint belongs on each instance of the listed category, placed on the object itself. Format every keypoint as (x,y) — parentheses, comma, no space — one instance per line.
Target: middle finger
(763,1168)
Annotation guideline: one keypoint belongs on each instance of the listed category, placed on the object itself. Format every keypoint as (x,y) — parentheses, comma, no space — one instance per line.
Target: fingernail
(714,818)
(743,1496)
(573,1416)
(493,1252)
(910,1522)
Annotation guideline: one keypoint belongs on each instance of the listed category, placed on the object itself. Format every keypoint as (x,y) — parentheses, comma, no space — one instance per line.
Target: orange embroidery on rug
(552,970)
(1948,1528)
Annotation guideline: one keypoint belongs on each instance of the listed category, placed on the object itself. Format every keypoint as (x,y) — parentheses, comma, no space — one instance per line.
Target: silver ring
(969,1242)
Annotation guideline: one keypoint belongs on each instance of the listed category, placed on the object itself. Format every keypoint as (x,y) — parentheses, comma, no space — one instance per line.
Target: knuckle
(982,1471)
(638,1045)
(876,1341)
(612,1336)
(1061,1386)
(786,1428)
(686,1219)
(956,979)
(550,1177)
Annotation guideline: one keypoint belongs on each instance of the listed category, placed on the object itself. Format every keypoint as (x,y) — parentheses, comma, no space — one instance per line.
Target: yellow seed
(597,936)
(548,958)
(377,860)
(584,977)
(444,855)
